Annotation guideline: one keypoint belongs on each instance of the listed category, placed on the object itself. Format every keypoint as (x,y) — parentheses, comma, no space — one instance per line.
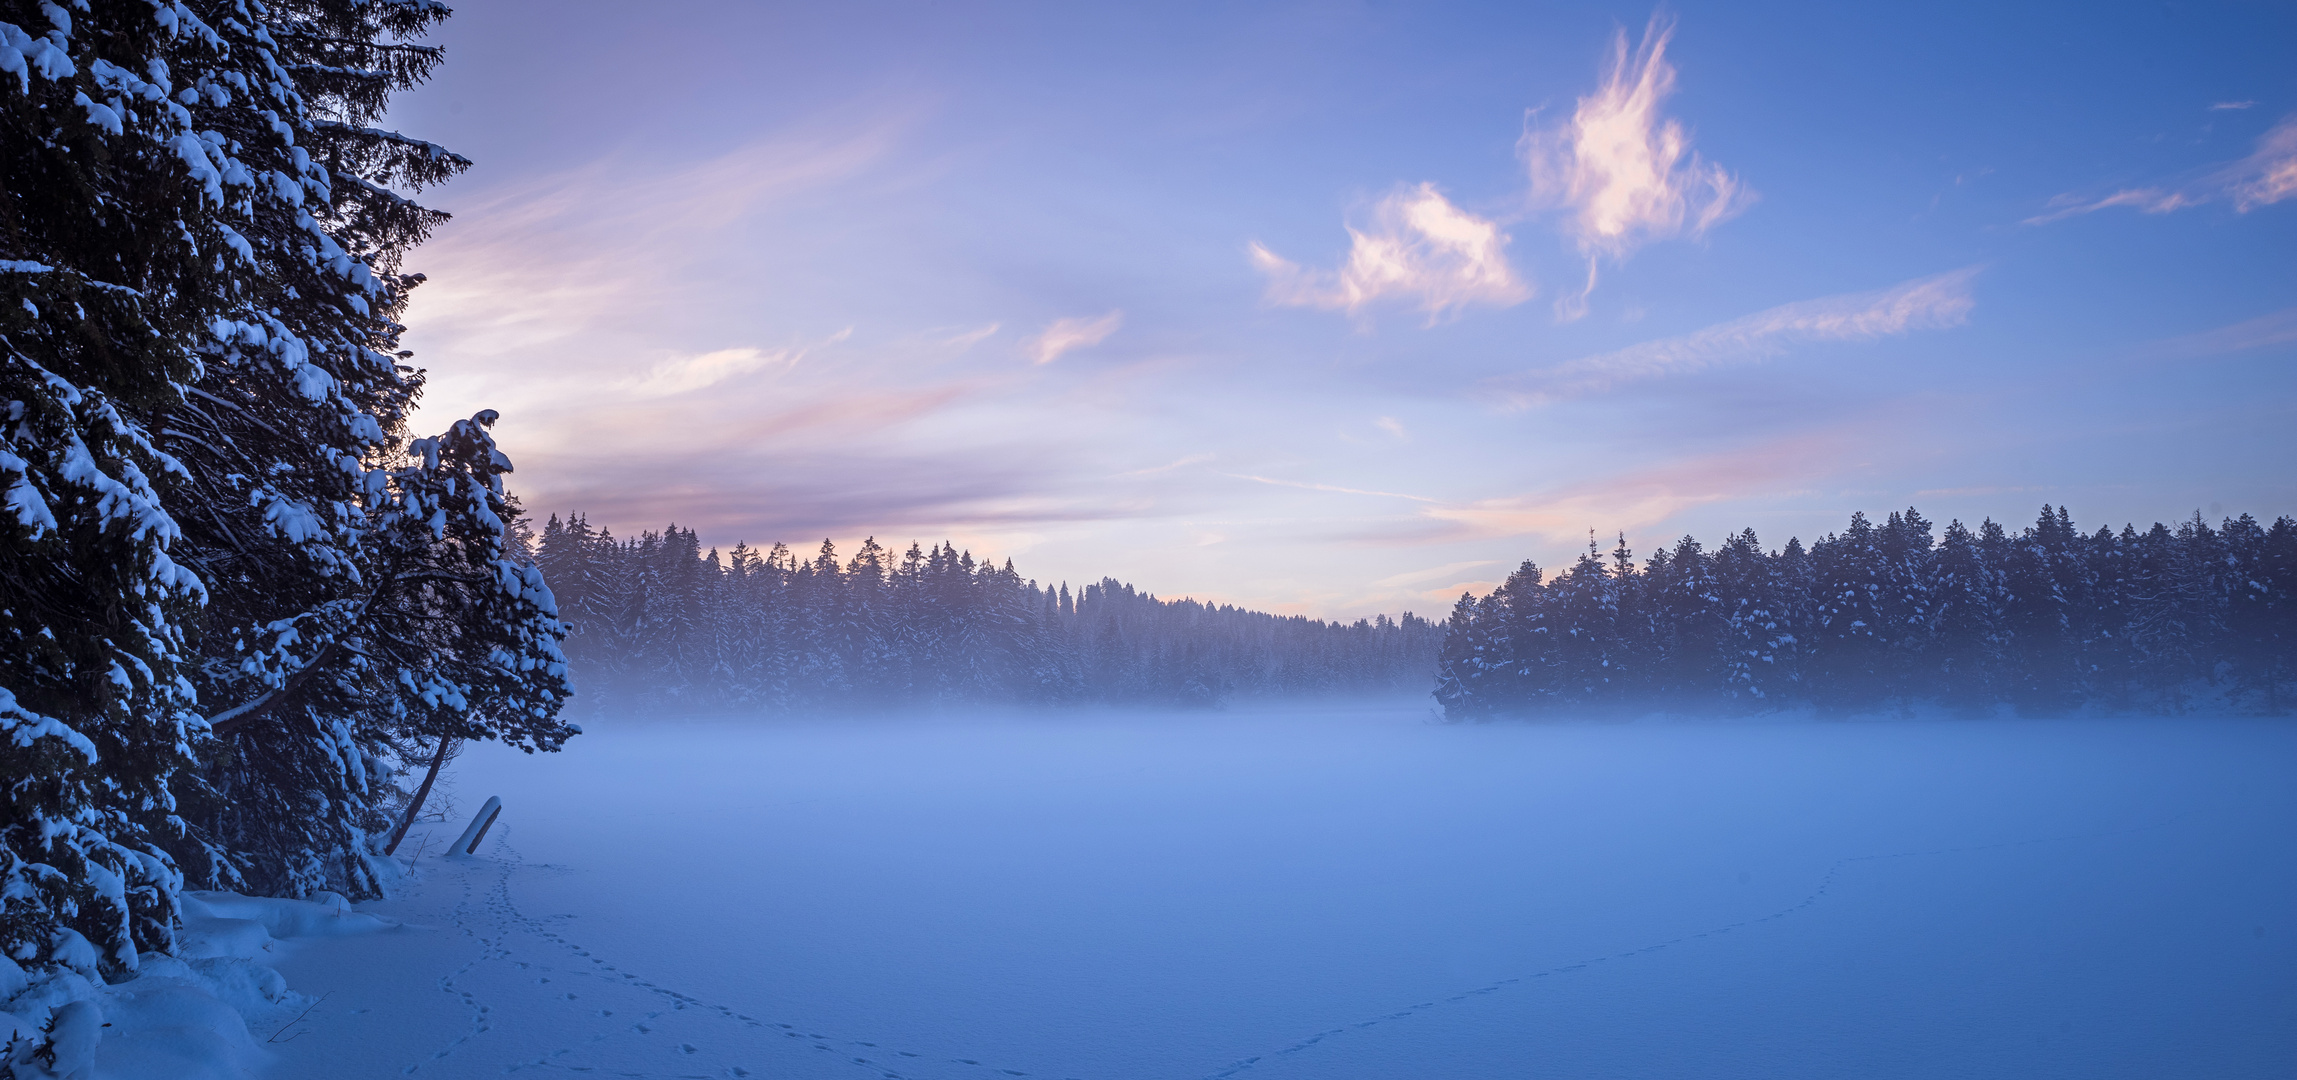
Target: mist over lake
(1355,892)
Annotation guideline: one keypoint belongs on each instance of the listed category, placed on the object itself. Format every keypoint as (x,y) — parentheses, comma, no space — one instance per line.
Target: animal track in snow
(508,917)
(1826,883)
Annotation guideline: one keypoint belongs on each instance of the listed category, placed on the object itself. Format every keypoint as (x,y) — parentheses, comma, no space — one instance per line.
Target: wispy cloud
(1417,576)
(1930,303)
(1622,175)
(2267,176)
(561,256)
(2151,200)
(1077,333)
(1304,486)
(1568,515)
(595,307)
(796,492)
(2223,106)
(1180,463)
(966,339)
(2277,328)
(1940,493)
(1394,427)
(1417,247)
(708,369)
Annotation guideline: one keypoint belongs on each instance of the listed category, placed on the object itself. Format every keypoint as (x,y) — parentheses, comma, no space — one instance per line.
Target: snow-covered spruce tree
(1850,642)
(107,269)
(1691,623)
(1757,630)
(1905,604)
(365,603)
(2041,575)
(1461,664)
(2257,620)
(1590,658)
(446,636)
(199,245)
(1519,672)
(1967,593)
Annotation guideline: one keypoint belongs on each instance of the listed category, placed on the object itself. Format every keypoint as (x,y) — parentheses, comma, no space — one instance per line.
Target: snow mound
(324,915)
(189,1016)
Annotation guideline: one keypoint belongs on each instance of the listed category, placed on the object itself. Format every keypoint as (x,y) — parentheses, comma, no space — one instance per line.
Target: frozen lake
(1360,894)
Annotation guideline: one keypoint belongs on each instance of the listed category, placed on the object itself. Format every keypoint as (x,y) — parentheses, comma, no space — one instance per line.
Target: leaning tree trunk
(415,805)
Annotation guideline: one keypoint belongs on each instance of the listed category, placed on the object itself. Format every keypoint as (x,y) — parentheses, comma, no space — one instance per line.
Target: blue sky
(1290,305)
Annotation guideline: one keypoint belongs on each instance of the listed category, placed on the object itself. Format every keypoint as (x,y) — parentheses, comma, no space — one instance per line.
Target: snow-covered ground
(1116,897)
(200,1014)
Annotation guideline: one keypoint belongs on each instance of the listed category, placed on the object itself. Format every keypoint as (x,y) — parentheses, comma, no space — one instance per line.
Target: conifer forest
(2046,621)
(658,623)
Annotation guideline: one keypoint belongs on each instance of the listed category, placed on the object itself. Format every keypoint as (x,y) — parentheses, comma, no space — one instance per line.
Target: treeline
(2048,620)
(660,623)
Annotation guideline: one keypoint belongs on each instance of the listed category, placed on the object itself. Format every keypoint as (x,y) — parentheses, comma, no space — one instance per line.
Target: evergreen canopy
(658,622)
(233,591)
(2048,621)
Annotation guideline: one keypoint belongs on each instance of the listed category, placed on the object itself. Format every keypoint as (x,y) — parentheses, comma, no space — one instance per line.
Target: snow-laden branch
(430,149)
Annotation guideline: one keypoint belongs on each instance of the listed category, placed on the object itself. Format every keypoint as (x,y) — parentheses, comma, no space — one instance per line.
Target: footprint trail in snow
(1825,885)
(661,1032)
(528,978)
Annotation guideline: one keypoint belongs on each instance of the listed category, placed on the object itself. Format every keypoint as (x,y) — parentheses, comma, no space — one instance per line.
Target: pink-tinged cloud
(1417,248)
(1640,499)
(2151,200)
(1633,500)
(1619,173)
(1077,333)
(1417,577)
(560,256)
(966,339)
(592,307)
(687,374)
(1931,303)
(2267,176)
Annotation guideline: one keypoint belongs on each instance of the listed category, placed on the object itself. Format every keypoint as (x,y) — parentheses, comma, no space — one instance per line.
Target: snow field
(202,1014)
(1360,895)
